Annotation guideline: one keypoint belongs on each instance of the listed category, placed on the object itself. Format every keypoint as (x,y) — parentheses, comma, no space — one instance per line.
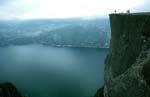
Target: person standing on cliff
(128,11)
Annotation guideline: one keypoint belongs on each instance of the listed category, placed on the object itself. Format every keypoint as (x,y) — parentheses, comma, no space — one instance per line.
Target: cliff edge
(127,66)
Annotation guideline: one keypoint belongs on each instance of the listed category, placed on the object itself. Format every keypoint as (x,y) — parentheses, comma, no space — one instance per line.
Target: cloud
(26,9)
(143,7)
(3,2)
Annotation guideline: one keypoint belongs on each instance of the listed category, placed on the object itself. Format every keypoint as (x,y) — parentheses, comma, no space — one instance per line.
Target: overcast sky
(28,9)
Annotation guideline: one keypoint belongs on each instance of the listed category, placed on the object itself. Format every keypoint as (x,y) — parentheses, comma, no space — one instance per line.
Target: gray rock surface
(127,66)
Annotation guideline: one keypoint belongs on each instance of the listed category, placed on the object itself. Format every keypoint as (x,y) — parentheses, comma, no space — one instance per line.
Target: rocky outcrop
(127,70)
(9,90)
(100,92)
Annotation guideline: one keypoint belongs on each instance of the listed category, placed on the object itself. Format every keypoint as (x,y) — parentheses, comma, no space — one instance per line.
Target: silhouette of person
(115,11)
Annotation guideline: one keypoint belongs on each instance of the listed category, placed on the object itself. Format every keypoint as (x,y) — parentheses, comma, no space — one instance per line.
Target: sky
(32,9)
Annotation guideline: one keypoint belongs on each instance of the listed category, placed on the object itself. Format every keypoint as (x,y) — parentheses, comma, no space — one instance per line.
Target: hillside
(76,32)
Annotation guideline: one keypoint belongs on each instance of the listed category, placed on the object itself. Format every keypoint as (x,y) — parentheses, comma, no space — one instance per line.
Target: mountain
(127,65)
(75,32)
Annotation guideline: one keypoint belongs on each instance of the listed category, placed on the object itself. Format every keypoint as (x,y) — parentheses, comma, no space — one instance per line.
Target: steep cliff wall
(127,70)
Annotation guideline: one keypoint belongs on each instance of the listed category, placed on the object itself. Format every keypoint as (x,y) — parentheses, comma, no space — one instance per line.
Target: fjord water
(44,71)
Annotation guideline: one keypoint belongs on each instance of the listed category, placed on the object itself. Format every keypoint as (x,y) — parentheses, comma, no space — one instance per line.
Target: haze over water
(43,71)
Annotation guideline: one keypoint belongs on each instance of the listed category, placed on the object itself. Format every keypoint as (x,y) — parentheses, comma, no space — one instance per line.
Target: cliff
(127,66)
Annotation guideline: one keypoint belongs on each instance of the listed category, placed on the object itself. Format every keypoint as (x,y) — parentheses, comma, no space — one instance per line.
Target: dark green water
(42,71)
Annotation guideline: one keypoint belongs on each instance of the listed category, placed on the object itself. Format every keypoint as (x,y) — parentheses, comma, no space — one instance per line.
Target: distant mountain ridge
(56,32)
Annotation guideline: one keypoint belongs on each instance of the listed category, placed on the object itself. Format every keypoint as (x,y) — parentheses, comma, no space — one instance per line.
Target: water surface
(43,71)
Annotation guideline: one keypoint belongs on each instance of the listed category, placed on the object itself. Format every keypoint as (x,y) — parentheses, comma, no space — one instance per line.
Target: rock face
(100,92)
(9,90)
(127,70)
